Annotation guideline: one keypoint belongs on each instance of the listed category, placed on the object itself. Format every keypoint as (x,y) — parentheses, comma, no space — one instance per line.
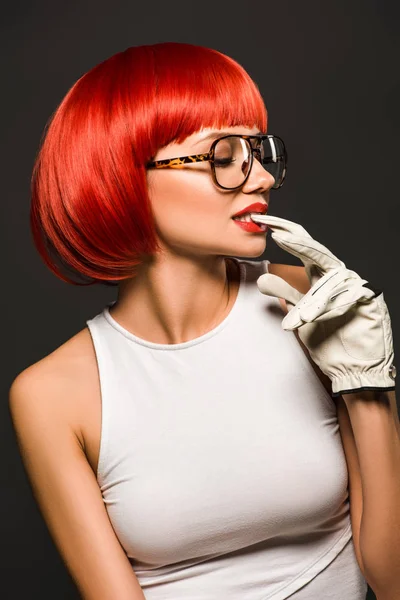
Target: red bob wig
(90,213)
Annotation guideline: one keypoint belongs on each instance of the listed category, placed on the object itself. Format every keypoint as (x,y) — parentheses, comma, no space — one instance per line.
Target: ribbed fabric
(221,464)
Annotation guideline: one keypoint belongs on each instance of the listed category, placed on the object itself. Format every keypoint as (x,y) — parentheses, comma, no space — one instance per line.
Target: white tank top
(221,464)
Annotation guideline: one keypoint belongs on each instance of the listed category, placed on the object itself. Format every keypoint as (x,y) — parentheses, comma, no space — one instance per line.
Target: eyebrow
(217,134)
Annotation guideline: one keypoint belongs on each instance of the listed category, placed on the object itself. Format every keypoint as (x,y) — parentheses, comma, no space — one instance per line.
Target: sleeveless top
(221,464)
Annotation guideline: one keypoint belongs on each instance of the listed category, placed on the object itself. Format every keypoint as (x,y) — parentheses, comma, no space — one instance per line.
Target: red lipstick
(251,226)
(256,207)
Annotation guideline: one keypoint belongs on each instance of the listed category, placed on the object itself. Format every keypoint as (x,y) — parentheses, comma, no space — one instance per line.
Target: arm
(375,422)
(370,431)
(297,277)
(66,489)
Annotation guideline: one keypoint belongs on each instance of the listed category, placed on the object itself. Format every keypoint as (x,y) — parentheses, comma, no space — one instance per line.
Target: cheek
(186,198)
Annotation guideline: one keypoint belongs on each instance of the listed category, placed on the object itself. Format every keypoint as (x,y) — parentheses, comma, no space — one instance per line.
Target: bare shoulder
(64,385)
(48,402)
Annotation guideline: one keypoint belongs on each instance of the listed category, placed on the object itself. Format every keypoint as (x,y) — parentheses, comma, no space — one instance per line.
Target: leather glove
(342,320)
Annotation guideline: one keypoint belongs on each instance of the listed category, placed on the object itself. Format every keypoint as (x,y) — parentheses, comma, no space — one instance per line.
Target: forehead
(209,134)
(200,141)
(203,138)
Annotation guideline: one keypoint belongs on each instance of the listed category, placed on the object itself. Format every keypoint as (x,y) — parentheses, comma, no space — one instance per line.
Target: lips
(256,207)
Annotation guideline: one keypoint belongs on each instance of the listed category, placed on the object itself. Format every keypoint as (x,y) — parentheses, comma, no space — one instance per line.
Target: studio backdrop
(328,73)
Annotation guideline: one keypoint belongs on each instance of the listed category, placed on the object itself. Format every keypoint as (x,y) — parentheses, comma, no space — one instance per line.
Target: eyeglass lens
(232,160)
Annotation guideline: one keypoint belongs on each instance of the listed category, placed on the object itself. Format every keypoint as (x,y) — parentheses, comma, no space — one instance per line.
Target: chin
(249,250)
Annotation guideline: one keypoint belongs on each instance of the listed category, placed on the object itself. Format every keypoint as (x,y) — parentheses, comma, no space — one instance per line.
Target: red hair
(90,211)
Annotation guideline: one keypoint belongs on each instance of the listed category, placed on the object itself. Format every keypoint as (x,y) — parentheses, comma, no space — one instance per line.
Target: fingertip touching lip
(256,207)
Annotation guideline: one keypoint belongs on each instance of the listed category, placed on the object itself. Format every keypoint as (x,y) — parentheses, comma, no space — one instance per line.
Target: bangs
(198,88)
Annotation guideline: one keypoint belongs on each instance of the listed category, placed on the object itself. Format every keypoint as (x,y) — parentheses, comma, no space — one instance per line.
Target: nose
(259,179)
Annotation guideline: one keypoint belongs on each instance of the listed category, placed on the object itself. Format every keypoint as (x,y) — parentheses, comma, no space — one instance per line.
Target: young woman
(182,445)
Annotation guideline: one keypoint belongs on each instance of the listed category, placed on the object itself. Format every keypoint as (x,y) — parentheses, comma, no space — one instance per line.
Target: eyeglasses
(231,159)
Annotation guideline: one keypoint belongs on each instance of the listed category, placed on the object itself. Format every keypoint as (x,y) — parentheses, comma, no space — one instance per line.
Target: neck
(176,300)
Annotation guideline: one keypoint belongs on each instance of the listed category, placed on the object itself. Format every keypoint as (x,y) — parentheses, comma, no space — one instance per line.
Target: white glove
(342,320)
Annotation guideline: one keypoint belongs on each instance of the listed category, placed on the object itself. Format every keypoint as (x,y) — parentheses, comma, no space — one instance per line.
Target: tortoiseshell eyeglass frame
(179,161)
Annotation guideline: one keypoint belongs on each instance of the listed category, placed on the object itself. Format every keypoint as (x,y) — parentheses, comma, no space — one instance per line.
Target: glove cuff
(379,380)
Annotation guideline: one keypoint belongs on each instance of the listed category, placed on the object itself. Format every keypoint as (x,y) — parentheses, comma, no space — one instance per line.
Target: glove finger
(327,295)
(284,231)
(272,285)
(342,301)
(335,301)
(279,224)
(309,251)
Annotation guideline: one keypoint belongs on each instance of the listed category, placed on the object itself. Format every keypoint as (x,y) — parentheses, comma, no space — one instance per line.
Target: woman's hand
(342,320)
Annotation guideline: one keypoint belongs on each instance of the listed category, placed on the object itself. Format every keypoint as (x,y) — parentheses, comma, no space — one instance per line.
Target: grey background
(328,72)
